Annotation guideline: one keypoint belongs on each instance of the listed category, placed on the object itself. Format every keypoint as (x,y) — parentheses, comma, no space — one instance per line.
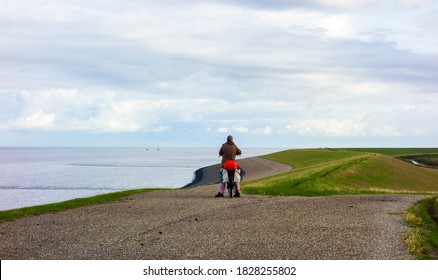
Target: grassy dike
(13,214)
(319,172)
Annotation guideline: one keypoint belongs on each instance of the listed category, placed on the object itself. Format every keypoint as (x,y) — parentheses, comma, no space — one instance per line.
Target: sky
(272,73)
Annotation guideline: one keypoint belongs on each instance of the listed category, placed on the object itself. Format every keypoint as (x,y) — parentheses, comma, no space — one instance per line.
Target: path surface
(255,167)
(193,224)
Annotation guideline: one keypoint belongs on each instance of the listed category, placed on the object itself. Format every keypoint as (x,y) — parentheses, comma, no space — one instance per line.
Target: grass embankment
(65,205)
(422,236)
(346,171)
(394,152)
(423,156)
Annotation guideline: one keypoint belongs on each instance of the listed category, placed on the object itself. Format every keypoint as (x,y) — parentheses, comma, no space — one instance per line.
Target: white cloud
(223,129)
(37,120)
(240,129)
(267,130)
(161,128)
(347,4)
(413,4)
(330,127)
(322,68)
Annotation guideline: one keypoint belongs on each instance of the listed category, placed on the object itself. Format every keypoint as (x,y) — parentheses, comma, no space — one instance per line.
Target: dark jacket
(228,151)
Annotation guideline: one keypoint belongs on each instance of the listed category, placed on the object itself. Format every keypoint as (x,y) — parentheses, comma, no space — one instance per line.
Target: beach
(190,223)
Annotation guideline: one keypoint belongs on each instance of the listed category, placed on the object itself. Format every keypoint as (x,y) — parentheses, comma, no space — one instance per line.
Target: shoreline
(51,175)
(255,167)
(204,176)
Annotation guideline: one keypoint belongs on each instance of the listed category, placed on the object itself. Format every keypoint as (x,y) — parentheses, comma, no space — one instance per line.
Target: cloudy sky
(274,73)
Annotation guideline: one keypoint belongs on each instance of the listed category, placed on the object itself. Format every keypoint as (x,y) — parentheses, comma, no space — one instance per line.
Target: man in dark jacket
(229,151)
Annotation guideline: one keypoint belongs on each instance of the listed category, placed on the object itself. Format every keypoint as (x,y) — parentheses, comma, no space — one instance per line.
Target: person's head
(230,138)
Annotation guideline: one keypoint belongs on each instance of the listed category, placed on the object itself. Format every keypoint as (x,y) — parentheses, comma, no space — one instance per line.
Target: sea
(35,176)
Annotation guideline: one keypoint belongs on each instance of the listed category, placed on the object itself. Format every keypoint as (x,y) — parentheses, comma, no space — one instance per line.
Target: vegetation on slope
(394,152)
(328,172)
(422,235)
(65,205)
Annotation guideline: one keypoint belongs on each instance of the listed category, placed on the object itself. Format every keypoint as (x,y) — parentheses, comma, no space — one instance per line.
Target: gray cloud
(265,68)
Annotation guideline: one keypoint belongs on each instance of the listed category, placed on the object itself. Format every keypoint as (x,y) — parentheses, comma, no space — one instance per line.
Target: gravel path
(192,224)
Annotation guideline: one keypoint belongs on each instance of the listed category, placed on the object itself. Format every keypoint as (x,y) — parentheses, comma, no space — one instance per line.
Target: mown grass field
(347,171)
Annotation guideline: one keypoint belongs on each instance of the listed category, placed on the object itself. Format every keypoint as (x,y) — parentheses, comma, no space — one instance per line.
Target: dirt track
(193,224)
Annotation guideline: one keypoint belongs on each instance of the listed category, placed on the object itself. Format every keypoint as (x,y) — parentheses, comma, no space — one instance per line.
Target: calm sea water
(34,176)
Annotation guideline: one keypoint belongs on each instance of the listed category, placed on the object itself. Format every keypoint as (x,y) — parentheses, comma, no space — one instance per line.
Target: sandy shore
(192,224)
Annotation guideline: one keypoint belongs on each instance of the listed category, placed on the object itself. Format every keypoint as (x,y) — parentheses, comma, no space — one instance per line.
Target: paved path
(192,224)
(255,167)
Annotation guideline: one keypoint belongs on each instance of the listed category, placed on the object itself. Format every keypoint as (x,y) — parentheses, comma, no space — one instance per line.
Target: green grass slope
(8,215)
(329,172)
(394,152)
